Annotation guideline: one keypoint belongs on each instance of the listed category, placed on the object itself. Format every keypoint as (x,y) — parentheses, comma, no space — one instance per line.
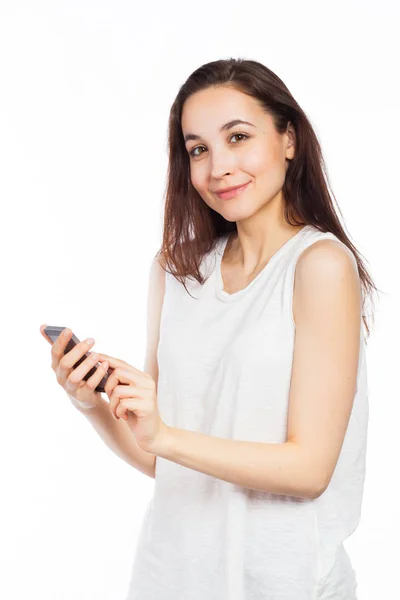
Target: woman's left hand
(136,403)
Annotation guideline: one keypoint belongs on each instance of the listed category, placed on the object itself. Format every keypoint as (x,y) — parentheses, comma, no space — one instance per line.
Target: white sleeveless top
(224,370)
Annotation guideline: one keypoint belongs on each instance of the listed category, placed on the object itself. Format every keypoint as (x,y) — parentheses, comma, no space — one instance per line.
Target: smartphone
(53,332)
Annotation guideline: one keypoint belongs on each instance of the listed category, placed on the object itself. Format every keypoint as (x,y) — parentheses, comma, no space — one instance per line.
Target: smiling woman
(261,358)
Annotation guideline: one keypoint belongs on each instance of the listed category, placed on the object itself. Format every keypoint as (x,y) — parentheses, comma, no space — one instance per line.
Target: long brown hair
(191,228)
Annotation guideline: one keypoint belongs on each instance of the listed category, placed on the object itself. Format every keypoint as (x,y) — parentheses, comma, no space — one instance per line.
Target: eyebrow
(225,127)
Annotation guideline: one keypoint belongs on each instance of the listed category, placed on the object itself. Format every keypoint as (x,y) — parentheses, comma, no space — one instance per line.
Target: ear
(291,141)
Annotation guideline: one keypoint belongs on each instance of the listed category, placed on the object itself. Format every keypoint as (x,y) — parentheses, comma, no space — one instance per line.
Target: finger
(119,376)
(97,376)
(58,347)
(121,392)
(126,405)
(112,382)
(113,397)
(122,414)
(78,374)
(127,375)
(44,334)
(114,362)
(72,360)
(78,352)
(117,363)
(126,391)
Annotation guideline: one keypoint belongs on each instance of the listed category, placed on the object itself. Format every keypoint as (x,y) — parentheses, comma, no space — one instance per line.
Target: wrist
(82,406)
(165,442)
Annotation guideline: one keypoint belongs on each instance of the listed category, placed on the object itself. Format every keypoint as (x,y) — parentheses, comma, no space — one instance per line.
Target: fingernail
(90,341)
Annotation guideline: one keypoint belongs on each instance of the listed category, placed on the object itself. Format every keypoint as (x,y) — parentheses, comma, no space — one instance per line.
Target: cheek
(200,184)
(266,166)
(198,179)
(258,162)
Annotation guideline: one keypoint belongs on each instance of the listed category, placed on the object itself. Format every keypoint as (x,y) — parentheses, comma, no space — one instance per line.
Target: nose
(221,165)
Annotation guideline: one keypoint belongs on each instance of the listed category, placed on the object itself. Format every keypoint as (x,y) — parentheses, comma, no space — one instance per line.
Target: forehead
(208,109)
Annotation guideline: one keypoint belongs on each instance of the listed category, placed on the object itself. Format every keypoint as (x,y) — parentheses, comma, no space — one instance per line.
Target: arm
(275,468)
(323,384)
(116,433)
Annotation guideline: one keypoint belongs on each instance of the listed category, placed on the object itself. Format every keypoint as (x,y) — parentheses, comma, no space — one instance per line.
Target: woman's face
(242,153)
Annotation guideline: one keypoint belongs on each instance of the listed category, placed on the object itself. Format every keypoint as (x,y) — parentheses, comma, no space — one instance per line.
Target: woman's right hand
(71,380)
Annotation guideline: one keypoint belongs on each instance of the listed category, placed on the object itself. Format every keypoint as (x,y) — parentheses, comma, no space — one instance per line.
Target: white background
(86,89)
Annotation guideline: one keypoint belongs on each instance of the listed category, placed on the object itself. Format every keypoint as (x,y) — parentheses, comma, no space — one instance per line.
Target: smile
(232,193)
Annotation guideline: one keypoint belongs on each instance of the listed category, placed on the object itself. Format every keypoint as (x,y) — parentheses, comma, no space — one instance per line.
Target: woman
(253,403)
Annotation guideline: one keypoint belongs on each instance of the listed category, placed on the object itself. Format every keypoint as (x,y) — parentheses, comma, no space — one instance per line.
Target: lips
(231,193)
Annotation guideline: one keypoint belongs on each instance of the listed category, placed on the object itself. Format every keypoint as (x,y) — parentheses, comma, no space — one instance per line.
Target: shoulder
(326,256)
(159,260)
(157,275)
(326,272)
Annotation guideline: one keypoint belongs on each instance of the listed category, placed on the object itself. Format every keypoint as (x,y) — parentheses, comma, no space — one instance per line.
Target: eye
(243,135)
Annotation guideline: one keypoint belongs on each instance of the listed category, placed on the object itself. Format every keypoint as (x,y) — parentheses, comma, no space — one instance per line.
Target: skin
(221,160)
